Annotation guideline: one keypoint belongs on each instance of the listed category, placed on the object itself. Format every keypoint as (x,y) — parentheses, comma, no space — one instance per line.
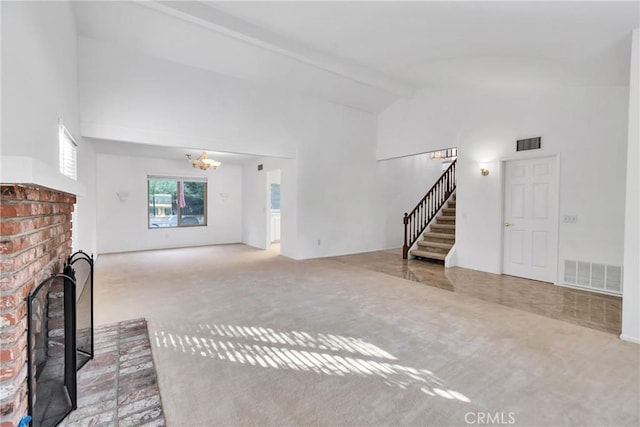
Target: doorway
(530,212)
(274,209)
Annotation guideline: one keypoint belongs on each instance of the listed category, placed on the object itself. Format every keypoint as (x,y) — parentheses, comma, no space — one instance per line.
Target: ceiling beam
(207,16)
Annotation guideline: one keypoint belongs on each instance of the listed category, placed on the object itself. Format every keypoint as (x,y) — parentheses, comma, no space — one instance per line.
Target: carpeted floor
(248,337)
(118,387)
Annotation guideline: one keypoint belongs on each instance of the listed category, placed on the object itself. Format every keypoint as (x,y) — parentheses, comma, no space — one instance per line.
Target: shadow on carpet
(119,386)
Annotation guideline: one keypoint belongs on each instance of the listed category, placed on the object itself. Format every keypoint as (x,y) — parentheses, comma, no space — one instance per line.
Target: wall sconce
(122,195)
(483,169)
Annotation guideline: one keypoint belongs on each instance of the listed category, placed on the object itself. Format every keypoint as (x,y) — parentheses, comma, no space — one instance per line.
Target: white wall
(330,193)
(39,78)
(84,227)
(39,87)
(122,226)
(336,200)
(586,126)
(631,297)
(338,197)
(403,182)
(131,97)
(428,121)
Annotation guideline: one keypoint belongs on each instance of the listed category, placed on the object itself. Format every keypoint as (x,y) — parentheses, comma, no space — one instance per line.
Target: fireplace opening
(51,346)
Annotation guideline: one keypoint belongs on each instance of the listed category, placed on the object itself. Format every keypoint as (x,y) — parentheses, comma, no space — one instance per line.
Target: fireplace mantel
(31,171)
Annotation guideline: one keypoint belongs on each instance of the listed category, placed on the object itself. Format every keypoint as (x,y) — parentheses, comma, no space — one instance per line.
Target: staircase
(438,241)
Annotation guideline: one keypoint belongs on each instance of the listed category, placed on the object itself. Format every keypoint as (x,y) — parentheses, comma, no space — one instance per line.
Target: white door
(530,219)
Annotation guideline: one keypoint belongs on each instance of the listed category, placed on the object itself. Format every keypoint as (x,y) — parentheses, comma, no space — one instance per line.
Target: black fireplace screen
(82,265)
(60,330)
(51,350)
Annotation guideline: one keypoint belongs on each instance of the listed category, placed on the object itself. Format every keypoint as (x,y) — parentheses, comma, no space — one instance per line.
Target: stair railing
(417,221)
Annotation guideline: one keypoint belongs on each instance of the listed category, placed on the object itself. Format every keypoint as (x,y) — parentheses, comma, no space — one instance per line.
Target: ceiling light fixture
(203,162)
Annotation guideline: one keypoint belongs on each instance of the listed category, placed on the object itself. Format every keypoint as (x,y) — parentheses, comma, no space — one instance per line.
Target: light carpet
(247,337)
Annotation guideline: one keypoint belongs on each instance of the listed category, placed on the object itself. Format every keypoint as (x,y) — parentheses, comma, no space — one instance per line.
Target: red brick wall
(35,240)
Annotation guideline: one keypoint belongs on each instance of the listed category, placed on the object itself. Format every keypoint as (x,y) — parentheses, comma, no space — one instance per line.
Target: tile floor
(597,311)
(118,387)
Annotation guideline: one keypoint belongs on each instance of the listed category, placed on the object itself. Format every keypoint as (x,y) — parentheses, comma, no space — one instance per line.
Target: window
(448,155)
(67,150)
(177,202)
(275,196)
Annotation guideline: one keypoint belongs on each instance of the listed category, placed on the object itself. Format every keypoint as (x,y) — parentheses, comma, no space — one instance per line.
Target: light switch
(570,219)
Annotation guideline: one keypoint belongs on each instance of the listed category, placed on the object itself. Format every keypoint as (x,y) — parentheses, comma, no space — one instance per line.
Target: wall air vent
(529,144)
(260,167)
(593,276)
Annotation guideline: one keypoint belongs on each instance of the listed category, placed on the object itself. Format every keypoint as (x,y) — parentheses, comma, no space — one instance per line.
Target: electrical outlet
(570,219)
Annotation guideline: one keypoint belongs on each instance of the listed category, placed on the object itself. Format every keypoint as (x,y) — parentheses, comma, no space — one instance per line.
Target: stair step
(449,211)
(432,235)
(443,228)
(427,254)
(446,218)
(451,204)
(432,244)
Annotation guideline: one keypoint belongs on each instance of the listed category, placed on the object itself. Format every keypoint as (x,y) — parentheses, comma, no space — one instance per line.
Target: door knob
(507,224)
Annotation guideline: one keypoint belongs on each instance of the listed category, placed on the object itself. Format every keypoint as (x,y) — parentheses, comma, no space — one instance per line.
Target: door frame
(273,176)
(503,166)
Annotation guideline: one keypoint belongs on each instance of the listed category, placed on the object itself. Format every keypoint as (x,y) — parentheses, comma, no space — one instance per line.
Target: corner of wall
(451,259)
(631,272)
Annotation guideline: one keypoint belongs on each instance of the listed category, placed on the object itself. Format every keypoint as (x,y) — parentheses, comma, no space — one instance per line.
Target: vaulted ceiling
(366,55)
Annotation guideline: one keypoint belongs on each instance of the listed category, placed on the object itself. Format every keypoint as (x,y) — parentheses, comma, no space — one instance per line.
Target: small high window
(68,153)
(177,202)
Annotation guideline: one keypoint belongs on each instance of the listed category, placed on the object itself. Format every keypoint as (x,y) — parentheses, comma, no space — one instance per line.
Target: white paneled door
(531,219)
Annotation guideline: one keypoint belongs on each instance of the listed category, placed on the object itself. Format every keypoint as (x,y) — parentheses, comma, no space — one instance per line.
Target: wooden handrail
(417,221)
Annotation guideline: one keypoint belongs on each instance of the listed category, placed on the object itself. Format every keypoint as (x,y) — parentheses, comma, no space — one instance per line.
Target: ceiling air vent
(260,167)
(529,144)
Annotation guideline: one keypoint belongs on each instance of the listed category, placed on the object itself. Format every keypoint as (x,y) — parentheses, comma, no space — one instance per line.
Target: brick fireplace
(35,241)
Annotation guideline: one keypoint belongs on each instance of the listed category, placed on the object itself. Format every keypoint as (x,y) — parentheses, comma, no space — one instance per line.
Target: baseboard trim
(627,338)
(586,289)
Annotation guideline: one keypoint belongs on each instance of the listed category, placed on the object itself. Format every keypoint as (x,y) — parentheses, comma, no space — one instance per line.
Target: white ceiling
(367,55)
(195,35)
(462,43)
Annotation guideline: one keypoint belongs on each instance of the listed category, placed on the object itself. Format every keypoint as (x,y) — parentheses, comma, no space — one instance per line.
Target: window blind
(68,153)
